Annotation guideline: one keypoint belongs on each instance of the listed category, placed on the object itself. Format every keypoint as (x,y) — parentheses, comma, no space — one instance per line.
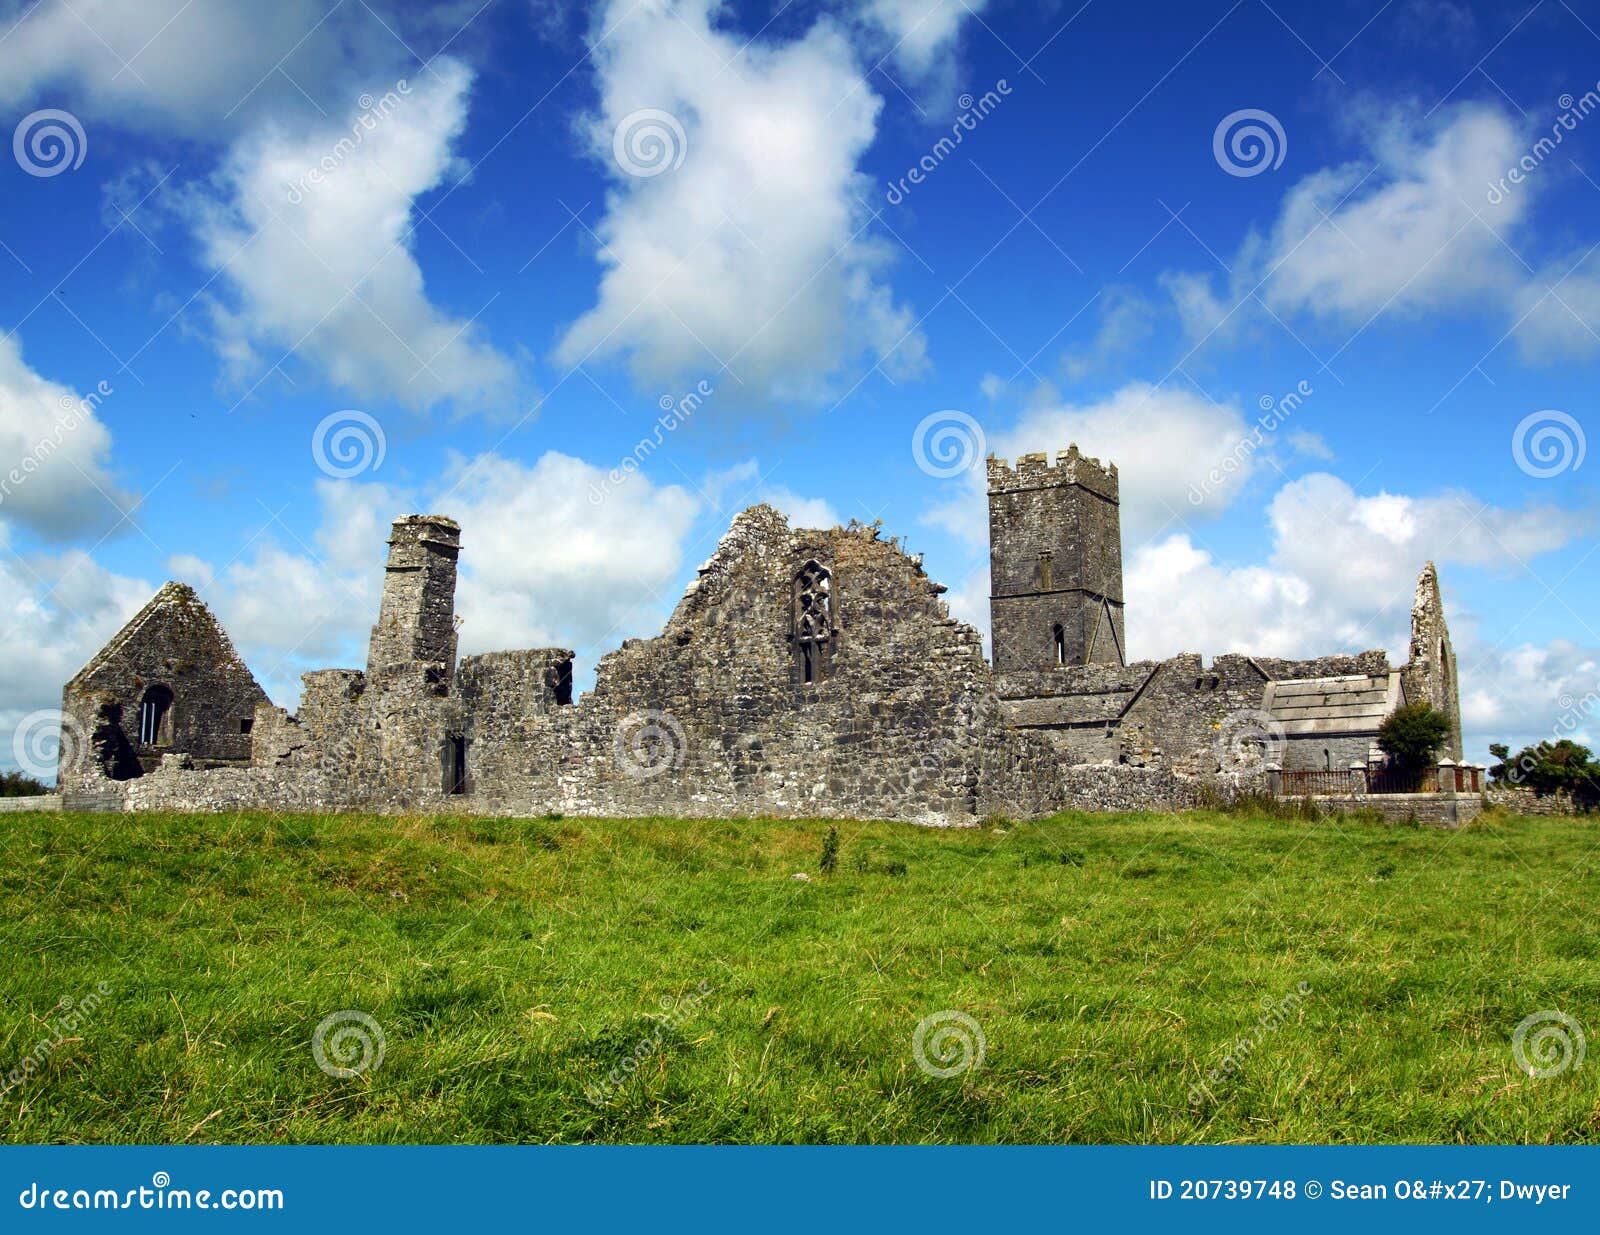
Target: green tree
(1411,734)
(17,785)
(1549,767)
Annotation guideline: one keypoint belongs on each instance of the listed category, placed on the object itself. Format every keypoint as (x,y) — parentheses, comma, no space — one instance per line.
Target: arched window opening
(813,622)
(155,717)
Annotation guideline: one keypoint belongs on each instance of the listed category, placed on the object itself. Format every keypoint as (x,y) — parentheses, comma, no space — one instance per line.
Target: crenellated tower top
(1071,467)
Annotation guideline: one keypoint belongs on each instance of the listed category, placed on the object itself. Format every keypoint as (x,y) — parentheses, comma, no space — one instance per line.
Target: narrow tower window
(1061,645)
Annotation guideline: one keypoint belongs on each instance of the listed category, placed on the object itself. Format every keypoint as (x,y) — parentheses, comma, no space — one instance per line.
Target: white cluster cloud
(754,252)
(307,226)
(542,564)
(1164,441)
(1424,223)
(55,478)
(745,484)
(55,613)
(1339,573)
(196,68)
(1527,694)
(310,230)
(1415,233)
(920,32)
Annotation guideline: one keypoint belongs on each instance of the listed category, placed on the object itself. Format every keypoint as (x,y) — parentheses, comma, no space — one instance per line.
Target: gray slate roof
(1354,704)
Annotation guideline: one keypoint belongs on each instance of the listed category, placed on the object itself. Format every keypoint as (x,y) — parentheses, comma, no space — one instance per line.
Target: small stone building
(805,672)
(168,683)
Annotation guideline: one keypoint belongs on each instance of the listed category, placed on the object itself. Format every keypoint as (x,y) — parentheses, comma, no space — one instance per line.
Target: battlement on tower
(1035,471)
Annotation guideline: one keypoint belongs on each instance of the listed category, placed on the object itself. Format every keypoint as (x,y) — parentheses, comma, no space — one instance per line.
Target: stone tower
(416,619)
(1055,562)
(1430,675)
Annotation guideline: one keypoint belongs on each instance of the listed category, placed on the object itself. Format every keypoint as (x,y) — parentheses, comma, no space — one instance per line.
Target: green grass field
(1112,964)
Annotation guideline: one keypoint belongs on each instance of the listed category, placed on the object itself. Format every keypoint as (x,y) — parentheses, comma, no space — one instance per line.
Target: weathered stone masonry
(805,672)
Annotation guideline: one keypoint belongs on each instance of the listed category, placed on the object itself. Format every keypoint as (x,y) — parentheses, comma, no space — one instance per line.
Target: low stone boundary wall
(1527,802)
(1443,810)
(46,801)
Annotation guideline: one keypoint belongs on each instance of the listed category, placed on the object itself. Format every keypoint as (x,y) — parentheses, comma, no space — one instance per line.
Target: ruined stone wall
(1370,663)
(713,716)
(1433,809)
(1198,720)
(1430,674)
(805,672)
(1524,801)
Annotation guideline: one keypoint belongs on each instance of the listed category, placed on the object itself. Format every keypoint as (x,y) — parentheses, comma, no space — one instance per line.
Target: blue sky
(533,226)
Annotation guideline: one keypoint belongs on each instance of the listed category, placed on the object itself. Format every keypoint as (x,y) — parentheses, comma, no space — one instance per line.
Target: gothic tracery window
(813,622)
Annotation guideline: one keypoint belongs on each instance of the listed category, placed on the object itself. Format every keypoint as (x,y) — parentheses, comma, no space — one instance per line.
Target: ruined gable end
(1430,674)
(169,682)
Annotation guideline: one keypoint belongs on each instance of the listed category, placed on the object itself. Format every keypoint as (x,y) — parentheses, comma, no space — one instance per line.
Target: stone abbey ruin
(805,672)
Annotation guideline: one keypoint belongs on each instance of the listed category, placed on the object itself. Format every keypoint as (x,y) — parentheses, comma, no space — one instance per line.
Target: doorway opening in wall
(458,765)
(155,712)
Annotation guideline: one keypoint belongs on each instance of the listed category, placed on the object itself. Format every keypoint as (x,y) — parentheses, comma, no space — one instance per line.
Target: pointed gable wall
(1430,675)
(176,644)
